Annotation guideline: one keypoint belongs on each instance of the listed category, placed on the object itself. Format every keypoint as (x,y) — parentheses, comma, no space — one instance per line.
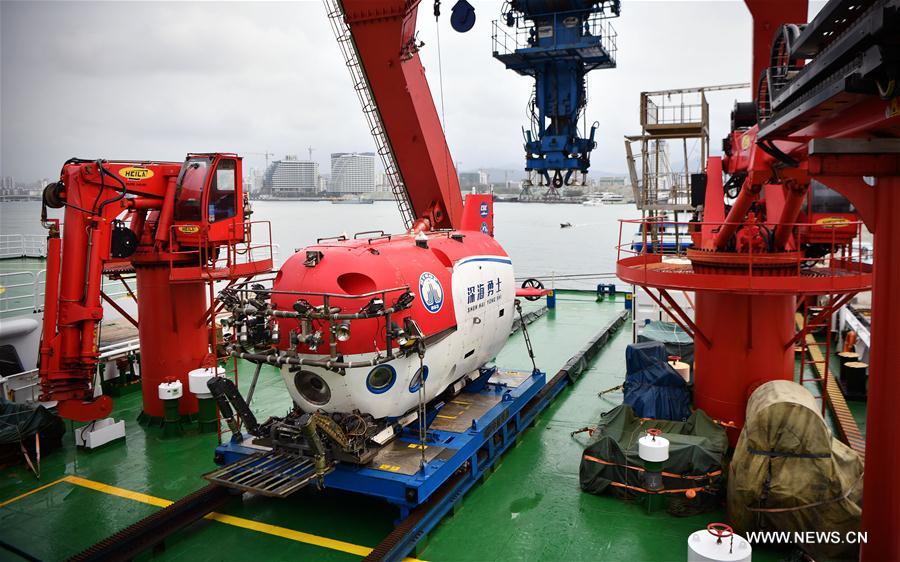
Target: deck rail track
(154,529)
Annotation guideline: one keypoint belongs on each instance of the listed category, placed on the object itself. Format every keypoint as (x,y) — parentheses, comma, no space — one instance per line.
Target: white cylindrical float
(170,390)
(718,543)
(654,448)
(198,378)
(207,414)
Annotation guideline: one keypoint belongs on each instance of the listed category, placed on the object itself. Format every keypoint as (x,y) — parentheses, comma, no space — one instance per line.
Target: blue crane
(557,42)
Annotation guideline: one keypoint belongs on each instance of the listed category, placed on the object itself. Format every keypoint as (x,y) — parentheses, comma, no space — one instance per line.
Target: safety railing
(23,246)
(208,261)
(662,245)
(22,292)
(526,34)
(22,387)
(679,108)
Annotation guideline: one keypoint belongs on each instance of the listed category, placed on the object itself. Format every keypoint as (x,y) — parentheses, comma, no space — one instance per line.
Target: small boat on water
(565,225)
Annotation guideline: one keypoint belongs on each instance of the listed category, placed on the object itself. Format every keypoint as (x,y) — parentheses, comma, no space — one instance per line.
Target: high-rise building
(352,172)
(468,180)
(292,177)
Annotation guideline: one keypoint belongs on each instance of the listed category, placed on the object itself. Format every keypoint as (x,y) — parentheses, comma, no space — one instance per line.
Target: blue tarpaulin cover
(652,387)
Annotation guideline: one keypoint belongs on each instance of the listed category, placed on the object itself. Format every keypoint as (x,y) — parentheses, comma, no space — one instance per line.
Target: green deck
(530,508)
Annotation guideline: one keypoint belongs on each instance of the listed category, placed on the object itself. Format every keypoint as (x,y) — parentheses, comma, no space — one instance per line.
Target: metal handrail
(23,246)
(598,25)
(31,296)
(847,258)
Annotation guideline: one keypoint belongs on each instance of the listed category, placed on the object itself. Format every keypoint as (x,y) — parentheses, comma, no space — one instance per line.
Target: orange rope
(667,474)
(666,491)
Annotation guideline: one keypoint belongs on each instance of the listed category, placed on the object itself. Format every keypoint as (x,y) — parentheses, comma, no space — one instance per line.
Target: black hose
(103,171)
(769,148)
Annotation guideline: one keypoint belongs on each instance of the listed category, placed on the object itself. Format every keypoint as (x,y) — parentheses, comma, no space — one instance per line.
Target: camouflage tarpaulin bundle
(788,472)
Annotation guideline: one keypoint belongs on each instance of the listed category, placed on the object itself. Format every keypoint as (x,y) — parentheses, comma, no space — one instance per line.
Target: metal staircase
(370,109)
(814,354)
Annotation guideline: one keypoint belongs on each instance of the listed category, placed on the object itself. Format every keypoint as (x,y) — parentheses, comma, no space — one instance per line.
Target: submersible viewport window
(381,379)
(312,387)
(416,381)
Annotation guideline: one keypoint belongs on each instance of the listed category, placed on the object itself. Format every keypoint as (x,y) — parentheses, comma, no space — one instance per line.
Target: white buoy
(170,390)
(718,543)
(198,378)
(652,447)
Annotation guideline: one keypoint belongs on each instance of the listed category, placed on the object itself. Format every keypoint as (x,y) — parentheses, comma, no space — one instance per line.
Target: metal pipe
(793,202)
(279,360)
(253,383)
(735,217)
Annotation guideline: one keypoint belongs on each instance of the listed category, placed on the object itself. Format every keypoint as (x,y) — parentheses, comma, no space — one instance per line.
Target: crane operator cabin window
(189,192)
(222,190)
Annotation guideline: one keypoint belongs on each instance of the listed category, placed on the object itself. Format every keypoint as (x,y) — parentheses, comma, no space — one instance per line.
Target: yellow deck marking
(115,491)
(249,524)
(290,534)
(36,490)
(447,417)
(460,402)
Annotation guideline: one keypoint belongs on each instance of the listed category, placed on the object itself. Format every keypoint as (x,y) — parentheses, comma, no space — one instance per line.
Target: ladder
(370,109)
(814,355)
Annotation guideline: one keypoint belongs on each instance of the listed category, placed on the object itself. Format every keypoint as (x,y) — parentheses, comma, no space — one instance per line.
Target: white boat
(609,198)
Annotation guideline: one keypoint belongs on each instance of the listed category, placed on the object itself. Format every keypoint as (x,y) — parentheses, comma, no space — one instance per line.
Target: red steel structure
(383,35)
(178,227)
(826,109)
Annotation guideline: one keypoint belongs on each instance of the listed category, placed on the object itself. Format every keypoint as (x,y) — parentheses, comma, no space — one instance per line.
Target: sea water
(529,232)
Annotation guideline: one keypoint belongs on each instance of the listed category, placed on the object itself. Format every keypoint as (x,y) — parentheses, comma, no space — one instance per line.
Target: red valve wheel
(654,432)
(720,530)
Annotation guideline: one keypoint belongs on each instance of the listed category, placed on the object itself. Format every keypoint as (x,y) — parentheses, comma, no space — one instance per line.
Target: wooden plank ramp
(846,424)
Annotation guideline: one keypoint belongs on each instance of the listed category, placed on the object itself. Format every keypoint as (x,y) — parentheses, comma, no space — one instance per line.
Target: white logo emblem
(431,292)
(484,209)
(484,227)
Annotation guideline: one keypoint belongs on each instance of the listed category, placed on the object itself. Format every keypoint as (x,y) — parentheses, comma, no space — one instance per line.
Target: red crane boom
(383,33)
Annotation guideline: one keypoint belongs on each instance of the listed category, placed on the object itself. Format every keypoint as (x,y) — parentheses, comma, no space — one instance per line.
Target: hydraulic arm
(176,226)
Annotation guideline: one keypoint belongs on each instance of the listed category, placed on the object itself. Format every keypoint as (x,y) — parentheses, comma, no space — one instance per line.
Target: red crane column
(173,333)
(747,336)
(881,485)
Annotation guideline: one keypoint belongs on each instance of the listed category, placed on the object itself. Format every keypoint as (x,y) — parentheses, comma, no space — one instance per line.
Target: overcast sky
(156,80)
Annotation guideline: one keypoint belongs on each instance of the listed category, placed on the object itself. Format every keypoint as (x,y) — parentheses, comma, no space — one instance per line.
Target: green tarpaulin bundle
(696,447)
(789,474)
(676,340)
(18,425)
